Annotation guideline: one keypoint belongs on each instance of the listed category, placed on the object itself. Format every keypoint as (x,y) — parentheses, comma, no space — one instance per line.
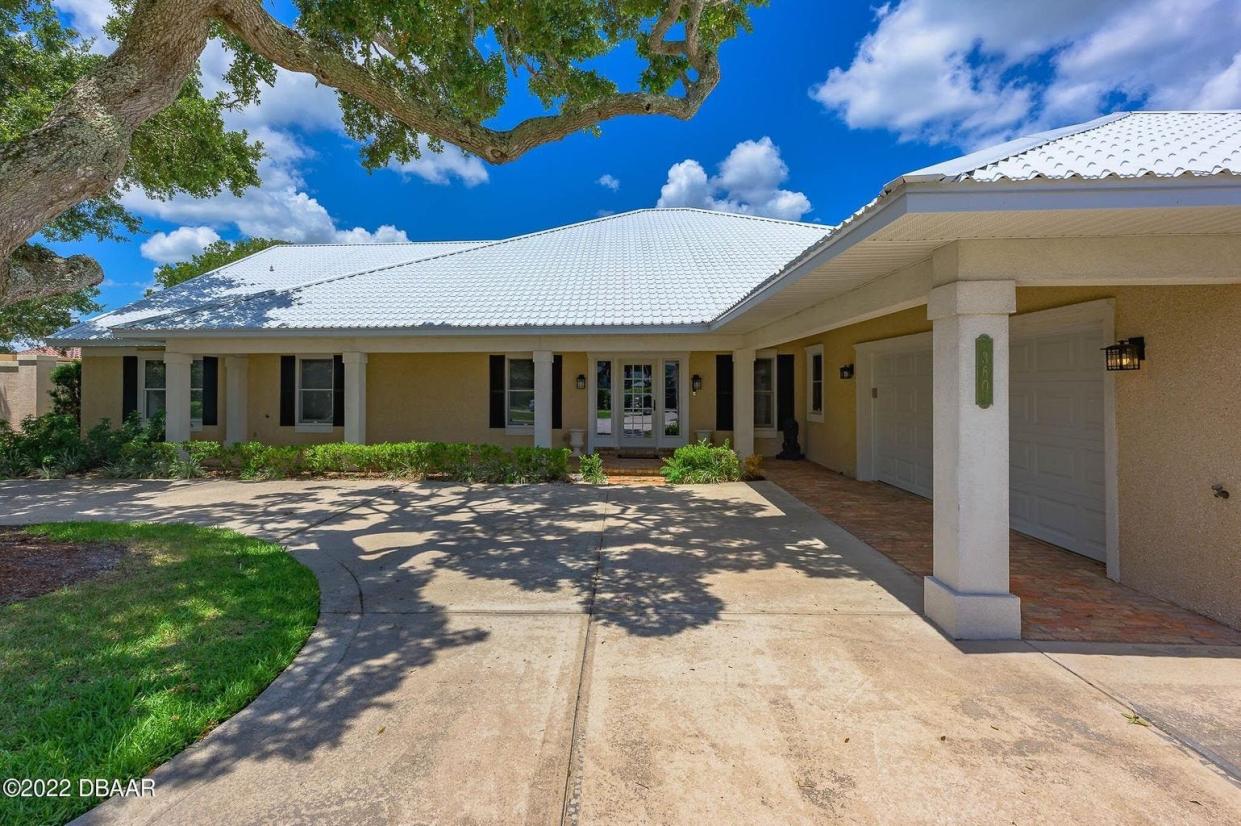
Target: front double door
(638,402)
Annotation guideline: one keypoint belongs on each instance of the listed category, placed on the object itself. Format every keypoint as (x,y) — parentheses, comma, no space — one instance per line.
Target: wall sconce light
(1126,354)
(695,384)
(846,371)
(581,381)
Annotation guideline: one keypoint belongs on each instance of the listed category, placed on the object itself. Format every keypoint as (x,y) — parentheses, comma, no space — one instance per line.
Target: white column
(355,397)
(968,595)
(177,396)
(743,402)
(236,388)
(542,398)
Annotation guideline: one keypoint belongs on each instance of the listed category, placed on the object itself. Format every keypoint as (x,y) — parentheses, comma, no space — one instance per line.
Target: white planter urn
(577,440)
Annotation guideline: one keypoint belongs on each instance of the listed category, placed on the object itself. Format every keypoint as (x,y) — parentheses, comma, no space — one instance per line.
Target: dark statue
(790,449)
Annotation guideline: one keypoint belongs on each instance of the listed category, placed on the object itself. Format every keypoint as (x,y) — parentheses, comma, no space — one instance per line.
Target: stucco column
(968,596)
(236,386)
(355,397)
(542,398)
(177,396)
(743,402)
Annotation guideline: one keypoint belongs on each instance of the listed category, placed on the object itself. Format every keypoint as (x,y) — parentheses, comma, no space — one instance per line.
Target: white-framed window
(153,394)
(765,392)
(519,392)
(814,383)
(316,392)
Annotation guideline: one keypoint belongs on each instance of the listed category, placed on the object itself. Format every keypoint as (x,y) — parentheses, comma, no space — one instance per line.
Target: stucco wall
(25,387)
(1178,425)
(101,388)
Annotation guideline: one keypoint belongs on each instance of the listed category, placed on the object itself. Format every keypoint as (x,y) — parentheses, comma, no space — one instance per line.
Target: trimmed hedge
(454,461)
(52,446)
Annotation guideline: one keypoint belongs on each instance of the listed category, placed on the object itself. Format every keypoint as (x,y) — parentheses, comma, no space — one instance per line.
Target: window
(154,395)
(672,395)
(765,392)
(315,390)
(603,398)
(814,383)
(519,392)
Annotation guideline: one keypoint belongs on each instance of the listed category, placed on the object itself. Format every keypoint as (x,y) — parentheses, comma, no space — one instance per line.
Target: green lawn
(110,677)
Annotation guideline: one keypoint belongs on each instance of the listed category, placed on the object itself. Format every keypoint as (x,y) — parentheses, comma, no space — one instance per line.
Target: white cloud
(88,17)
(442,167)
(609,181)
(748,182)
(974,71)
(181,244)
(386,234)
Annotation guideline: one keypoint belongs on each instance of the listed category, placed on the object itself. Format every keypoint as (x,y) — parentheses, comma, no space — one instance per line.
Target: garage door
(1056,452)
(902,400)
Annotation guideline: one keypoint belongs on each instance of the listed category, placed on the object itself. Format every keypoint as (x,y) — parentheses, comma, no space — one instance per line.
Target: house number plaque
(984,371)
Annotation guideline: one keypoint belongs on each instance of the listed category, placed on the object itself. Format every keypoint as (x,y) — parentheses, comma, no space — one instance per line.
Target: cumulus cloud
(748,182)
(282,206)
(609,181)
(181,244)
(971,72)
(443,167)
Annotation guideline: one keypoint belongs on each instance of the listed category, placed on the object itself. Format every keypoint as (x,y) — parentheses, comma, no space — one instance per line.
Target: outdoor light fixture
(846,371)
(1126,354)
(695,383)
(581,381)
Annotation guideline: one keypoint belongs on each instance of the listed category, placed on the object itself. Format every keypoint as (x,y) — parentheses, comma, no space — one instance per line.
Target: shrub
(702,463)
(67,389)
(753,467)
(52,446)
(591,466)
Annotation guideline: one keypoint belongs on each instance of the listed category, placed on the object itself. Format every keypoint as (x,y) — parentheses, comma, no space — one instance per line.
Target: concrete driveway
(563,653)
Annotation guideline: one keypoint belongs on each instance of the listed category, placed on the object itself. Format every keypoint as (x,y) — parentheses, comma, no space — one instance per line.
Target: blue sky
(847,96)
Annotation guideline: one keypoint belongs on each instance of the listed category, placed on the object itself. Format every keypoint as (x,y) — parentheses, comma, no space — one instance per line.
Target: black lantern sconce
(581,381)
(846,371)
(1126,354)
(695,384)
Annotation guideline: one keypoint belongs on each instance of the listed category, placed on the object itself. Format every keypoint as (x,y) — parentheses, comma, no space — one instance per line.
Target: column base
(972,616)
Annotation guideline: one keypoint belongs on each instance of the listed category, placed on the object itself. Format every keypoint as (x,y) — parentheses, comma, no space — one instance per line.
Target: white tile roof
(270,269)
(652,267)
(1123,145)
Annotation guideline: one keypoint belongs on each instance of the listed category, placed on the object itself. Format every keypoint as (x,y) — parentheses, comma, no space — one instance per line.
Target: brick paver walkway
(1064,596)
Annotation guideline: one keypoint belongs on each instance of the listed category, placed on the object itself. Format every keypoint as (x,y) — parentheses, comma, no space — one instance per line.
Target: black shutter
(288,391)
(338,391)
(211,391)
(724,392)
(557,392)
(784,389)
(129,385)
(496,398)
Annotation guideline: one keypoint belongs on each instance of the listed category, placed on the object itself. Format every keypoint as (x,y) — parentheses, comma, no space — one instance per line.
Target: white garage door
(902,383)
(1056,452)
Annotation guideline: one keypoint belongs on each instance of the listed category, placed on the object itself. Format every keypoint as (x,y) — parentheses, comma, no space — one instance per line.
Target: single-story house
(1043,334)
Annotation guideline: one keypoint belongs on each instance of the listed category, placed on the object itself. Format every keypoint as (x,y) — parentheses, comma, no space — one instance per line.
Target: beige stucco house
(948,338)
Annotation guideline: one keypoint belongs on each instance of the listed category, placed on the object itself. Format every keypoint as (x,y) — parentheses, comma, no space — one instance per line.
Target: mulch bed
(32,565)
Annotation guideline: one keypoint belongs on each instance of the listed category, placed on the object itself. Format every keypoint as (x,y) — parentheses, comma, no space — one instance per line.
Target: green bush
(702,464)
(53,446)
(591,466)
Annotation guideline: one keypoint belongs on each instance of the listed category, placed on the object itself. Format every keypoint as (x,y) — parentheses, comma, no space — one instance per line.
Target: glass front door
(638,411)
(638,401)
